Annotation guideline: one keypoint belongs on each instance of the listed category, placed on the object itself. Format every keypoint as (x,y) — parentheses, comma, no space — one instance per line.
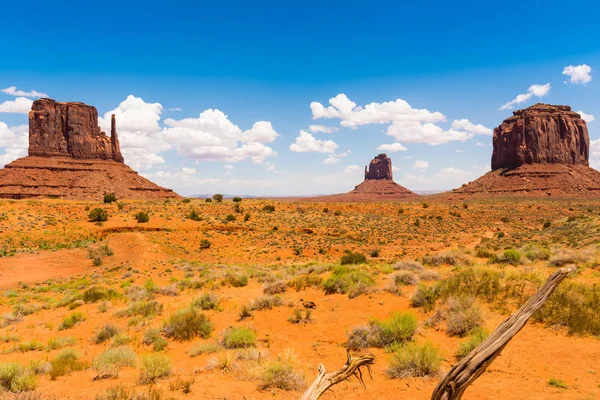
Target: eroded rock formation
(70,157)
(541,134)
(379,168)
(70,130)
(542,150)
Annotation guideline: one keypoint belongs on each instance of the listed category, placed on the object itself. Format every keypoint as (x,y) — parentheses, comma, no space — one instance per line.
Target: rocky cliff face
(379,168)
(70,130)
(541,134)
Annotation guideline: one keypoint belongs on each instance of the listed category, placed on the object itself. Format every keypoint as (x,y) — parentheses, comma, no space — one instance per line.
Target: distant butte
(70,157)
(542,150)
(377,186)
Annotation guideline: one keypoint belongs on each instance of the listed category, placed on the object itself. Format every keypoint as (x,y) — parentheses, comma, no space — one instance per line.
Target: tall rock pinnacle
(380,168)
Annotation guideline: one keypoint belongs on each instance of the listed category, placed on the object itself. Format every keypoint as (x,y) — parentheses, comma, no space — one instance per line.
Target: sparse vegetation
(414,360)
(186,324)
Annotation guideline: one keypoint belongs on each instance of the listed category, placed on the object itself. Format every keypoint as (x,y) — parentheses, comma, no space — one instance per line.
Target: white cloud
(595,153)
(580,74)
(479,144)
(395,168)
(466,125)
(420,164)
(444,179)
(213,137)
(188,171)
(139,132)
(12,90)
(175,109)
(586,117)
(352,168)
(332,159)
(392,147)
(322,129)
(228,168)
(14,141)
(306,142)
(534,90)
(408,124)
(20,105)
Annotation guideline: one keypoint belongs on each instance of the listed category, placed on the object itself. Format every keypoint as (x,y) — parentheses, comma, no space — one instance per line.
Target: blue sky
(221,92)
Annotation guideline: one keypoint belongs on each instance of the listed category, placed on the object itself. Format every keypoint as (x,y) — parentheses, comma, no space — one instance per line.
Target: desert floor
(56,263)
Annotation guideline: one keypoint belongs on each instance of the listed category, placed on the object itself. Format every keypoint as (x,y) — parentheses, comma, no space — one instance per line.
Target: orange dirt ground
(45,244)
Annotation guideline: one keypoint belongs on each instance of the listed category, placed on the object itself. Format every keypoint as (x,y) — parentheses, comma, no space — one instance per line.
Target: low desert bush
(405,278)
(186,324)
(352,281)
(266,302)
(142,217)
(414,360)
(98,215)
(205,348)
(16,378)
(425,297)
(276,287)
(236,280)
(208,301)
(71,320)
(353,258)
(305,281)
(141,308)
(109,363)
(152,337)
(399,328)
(66,362)
(408,265)
(154,367)
(106,332)
(454,257)
(110,198)
(238,337)
(462,315)
(281,375)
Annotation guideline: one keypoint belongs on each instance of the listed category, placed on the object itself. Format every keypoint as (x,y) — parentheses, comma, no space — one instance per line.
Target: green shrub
(343,280)
(110,198)
(353,258)
(462,315)
(237,199)
(399,328)
(208,200)
(142,217)
(445,258)
(205,244)
(266,302)
(109,363)
(186,324)
(71,320)
(230,217)
(218,197)
(193,215)
(98,215)
(238,337)
(205,348)
(478,335)
(269,208)
(142,308)
(154,367)
(16,378)
(414,360)
(236,280)
(557,383)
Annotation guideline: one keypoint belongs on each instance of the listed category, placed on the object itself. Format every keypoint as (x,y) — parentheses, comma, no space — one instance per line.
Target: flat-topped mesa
(380,168)
(541,134)
(70,130)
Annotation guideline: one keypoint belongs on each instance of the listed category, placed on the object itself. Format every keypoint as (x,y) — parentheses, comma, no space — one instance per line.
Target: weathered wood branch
(463,374)
(326,380)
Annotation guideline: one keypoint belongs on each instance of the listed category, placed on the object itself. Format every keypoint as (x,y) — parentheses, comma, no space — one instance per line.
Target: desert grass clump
(236,280)
(154,367)
(109,363)
(186,324)
(97,254)
(430,275)
(152,337)
(141,308)
(305,281)
(276,287)
(266,302)
(508,256)
(535,252)
(557,383)
(565,257)
(353,258)
(224,363)
(66,362)
(16,378)
(59,343)
(71,320)
(299,318)
(408,265)
(453,257)
(352,281)
(208,301)
(106,332)
(238,338)
(281,375)
(399,328)
(462,315)
(405,278)
(414,360)
(477,336)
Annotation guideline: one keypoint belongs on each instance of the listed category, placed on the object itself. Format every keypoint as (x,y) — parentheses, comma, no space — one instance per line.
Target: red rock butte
(377,186)
(542,150)
(71,157)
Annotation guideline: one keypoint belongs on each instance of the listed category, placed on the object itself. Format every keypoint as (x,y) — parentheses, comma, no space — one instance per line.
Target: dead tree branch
(326,380)
(463,374)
